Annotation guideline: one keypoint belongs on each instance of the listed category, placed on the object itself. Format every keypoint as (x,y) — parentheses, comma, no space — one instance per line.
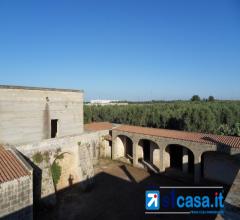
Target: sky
(123,49)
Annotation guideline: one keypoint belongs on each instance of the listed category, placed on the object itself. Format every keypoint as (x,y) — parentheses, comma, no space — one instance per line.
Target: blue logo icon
(152,200)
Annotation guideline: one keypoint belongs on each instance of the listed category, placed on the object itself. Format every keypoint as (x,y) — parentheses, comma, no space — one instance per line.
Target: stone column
(166,157)
(185,160)
(114,148)
(135,153)
(161,167)
(197,168)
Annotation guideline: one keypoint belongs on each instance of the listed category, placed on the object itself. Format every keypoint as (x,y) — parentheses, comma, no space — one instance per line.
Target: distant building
(106,102)
(102,101)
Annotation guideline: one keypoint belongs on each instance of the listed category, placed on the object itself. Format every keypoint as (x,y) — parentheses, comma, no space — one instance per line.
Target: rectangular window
(54,126)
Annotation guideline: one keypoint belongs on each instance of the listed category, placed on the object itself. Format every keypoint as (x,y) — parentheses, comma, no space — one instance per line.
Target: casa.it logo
(185,200)
(152,200)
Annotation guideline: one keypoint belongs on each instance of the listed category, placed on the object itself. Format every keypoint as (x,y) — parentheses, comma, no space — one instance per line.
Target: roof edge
(39,88)
(22,159)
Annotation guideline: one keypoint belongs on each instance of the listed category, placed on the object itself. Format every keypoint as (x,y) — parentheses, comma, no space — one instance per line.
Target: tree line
(217,117)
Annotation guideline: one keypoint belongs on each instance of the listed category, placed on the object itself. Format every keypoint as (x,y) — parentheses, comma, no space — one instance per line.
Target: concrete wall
(26,115)
(16,199)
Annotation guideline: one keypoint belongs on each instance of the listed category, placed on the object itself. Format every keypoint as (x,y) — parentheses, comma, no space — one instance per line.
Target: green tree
(195,98)
(56,172)
(211,98)
(218,117)
(235,130)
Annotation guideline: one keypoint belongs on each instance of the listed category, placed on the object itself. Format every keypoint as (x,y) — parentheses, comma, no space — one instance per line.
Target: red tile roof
(98,126)
(10,166)
(183,135)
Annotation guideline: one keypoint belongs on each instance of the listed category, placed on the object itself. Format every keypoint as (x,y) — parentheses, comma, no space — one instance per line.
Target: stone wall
(16,199)
(68,153)
(26,114)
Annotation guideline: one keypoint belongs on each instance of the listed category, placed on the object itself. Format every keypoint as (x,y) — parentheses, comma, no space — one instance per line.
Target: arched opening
(124,148)
(179,158)
(219,167)
(149,153)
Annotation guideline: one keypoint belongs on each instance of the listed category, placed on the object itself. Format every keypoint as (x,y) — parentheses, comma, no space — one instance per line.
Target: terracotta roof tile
(98,126)
(183,135)
(10,166)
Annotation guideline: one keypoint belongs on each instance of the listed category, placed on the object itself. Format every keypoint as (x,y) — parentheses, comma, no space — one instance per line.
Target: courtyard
(118,193)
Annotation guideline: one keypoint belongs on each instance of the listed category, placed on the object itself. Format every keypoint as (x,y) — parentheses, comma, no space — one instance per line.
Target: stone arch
(179,158)
(149,152)
(124,148)
(67,163)
(219,166)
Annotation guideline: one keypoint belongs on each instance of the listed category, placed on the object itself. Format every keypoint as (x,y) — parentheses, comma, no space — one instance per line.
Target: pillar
(165,158)
(197,168)
(161,168)
(114,148)
(135,153)
(185,163)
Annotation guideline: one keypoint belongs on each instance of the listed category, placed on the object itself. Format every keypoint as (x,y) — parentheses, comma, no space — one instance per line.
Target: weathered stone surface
(78,154)
(16,199)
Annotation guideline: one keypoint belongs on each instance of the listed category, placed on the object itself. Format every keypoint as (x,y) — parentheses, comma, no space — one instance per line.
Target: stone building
(45,126)
(42,129)
(30,114)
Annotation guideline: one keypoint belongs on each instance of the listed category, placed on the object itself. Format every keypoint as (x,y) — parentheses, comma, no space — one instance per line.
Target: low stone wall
(16,199)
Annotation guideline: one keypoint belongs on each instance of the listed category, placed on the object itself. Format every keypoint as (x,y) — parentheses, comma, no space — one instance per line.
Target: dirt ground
(118,193)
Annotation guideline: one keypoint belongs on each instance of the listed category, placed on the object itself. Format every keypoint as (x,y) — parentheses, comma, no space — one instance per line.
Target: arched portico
(123,148)
(149,152)
(178,157)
